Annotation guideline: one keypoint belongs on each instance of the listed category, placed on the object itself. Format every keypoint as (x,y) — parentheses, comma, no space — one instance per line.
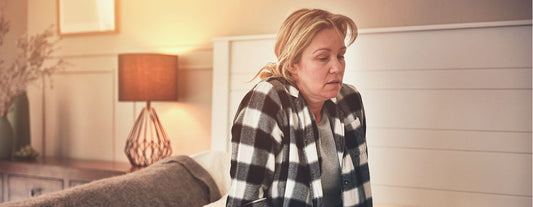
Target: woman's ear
(292,70)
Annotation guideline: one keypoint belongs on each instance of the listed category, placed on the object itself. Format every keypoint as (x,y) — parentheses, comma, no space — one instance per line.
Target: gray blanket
(175,181)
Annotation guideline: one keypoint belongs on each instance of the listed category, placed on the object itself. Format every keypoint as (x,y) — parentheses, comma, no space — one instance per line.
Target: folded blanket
(175,181)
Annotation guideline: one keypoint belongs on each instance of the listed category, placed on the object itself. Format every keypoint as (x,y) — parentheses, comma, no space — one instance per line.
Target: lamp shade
(147,77)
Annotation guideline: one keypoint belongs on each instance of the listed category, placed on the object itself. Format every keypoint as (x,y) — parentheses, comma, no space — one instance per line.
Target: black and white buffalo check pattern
(275,160)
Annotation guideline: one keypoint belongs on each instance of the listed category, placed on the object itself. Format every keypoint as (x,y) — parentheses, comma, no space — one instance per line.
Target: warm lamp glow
(147,77)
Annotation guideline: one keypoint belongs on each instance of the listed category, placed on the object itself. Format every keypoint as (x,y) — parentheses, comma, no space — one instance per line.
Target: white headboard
(448,108)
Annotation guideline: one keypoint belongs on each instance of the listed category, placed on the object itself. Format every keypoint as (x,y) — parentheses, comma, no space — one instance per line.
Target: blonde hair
(296,34)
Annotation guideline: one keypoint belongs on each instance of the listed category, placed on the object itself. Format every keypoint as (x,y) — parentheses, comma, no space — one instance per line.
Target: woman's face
(318,75)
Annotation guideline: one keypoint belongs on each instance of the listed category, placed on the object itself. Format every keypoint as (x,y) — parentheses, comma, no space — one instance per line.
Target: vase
(6,138)
(19,117)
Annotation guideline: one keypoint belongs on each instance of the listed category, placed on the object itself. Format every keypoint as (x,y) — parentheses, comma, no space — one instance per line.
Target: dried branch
(32,53)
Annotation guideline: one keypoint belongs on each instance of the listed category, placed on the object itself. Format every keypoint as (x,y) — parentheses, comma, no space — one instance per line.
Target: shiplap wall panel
(465,140)
(253,55)
(436,49)
(495,110)
(482,172)
(410,197)
(448,110)
(505,78)
(243,81)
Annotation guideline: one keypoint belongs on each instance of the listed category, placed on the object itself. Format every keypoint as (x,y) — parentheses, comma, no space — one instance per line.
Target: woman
(298,137)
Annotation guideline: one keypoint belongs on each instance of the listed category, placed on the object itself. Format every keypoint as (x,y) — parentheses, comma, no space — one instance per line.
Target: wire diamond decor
(147,142)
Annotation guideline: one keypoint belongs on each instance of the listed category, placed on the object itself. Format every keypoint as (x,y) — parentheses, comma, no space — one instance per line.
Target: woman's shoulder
(272,84)
(268,91)
(267,94)
(349,98)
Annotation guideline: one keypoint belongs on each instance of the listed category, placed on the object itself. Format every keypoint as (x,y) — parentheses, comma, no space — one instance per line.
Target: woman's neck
(316,109)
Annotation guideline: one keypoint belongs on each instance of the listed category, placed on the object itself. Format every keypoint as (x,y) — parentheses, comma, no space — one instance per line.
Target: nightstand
(24,179)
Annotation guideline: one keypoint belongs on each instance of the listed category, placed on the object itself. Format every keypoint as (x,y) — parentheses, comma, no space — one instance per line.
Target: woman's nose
(337,66)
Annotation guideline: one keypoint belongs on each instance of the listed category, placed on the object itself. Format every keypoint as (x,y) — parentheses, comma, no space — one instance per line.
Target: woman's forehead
(328,40)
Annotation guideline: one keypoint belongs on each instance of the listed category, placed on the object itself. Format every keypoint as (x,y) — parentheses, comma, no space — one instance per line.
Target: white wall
(449,115)
(448,109)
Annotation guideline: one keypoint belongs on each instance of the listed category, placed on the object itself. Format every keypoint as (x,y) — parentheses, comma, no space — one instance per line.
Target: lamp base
(147,142)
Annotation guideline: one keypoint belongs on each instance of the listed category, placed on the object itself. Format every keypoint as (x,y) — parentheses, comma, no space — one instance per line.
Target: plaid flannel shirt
(275,159)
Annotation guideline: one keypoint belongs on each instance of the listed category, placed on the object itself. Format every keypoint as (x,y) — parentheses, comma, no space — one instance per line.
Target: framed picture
(86,16)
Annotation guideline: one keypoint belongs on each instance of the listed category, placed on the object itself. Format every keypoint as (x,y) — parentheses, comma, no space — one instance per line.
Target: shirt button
(346,182)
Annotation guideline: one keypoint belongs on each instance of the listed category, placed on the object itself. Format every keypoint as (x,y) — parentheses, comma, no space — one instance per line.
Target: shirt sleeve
(357,188)
(256,137)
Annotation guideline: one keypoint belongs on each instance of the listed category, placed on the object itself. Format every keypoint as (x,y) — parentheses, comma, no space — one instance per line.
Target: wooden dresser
(24,179)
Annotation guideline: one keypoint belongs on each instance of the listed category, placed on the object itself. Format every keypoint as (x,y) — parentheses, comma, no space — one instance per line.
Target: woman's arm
(256,137)
(355,134)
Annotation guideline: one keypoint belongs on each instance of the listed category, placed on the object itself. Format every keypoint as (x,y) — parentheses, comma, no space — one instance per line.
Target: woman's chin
(331,94)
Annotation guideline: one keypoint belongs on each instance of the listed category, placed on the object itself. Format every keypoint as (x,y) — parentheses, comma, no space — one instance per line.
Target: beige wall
(15,13)
(83,118)
(192,23)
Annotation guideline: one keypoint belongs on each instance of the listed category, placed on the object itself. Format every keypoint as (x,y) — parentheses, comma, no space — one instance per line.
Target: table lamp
(147,77)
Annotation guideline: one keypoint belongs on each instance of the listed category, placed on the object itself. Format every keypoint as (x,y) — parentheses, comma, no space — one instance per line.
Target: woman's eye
(340,57)
(323,58)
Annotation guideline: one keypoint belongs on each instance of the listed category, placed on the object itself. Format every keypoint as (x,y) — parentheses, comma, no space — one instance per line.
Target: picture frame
(87,17)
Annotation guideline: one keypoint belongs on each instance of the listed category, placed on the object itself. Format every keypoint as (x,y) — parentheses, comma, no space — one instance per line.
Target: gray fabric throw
(175,181)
